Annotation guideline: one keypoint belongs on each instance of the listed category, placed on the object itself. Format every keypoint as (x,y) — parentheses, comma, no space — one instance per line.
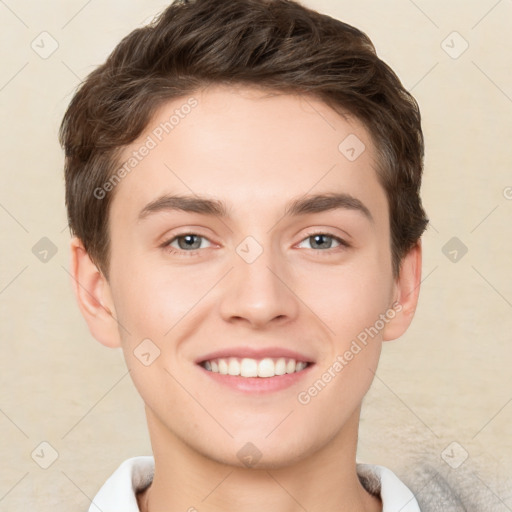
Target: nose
(259,292)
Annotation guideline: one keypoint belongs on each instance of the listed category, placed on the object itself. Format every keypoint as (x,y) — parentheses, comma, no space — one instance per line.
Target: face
(278,264)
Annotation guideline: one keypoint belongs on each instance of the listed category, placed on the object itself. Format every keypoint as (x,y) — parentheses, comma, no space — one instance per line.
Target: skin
(255,152)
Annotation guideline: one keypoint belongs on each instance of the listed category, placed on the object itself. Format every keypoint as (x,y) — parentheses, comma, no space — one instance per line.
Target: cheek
(347,299)
(151,301)
(149,306)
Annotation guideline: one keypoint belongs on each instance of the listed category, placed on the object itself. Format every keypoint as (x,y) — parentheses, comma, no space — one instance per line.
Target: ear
(406,292)
(93,295)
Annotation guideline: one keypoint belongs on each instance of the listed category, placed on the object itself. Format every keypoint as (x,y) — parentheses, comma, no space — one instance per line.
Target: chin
(258,452)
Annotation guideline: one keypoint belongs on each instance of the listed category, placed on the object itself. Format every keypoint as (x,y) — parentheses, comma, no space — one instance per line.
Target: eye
(188,242)
(324,241)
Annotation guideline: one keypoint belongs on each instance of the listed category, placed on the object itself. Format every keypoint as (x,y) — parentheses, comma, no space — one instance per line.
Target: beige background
(448,380)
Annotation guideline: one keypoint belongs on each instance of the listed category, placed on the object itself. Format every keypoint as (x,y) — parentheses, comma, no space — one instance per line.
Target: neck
(187,480)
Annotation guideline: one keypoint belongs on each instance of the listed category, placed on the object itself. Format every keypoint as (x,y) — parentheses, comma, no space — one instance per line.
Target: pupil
(320,237)
(189,241)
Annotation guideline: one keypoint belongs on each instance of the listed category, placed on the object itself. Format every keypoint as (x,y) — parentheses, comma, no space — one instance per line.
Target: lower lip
(258,384)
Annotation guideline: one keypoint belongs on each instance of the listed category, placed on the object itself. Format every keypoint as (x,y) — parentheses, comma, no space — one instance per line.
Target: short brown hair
(277,45)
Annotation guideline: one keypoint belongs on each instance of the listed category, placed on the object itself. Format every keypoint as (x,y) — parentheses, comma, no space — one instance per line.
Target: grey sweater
(444,490)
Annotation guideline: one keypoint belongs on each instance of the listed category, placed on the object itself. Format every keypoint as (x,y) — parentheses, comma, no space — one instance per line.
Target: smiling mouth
(247,367)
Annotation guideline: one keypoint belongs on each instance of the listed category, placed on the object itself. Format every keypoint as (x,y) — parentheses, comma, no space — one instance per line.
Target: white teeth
(223,367)
(266,368)
(300,366)
(280,366)
(233,366)
(248,367)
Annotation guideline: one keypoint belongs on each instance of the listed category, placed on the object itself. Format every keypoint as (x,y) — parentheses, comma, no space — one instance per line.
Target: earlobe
(93,295)
(407,288)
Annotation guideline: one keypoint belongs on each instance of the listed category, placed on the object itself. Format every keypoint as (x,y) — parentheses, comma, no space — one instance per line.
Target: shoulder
(119,492)
(446,489)
(383,483)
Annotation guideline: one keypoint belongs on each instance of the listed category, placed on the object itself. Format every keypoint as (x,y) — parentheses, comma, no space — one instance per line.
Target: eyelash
(343,243)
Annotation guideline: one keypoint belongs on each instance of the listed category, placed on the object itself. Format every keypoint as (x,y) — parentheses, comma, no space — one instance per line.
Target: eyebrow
(213,207)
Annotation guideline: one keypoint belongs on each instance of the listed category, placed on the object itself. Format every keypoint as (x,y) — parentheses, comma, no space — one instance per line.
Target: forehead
(247,146)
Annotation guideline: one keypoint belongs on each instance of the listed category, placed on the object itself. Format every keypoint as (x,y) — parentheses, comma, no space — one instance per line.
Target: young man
(242,183)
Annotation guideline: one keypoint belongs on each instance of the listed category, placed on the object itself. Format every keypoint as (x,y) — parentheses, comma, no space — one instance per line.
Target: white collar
(118,493)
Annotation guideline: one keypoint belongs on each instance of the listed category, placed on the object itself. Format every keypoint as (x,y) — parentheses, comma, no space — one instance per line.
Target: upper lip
(255,353)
